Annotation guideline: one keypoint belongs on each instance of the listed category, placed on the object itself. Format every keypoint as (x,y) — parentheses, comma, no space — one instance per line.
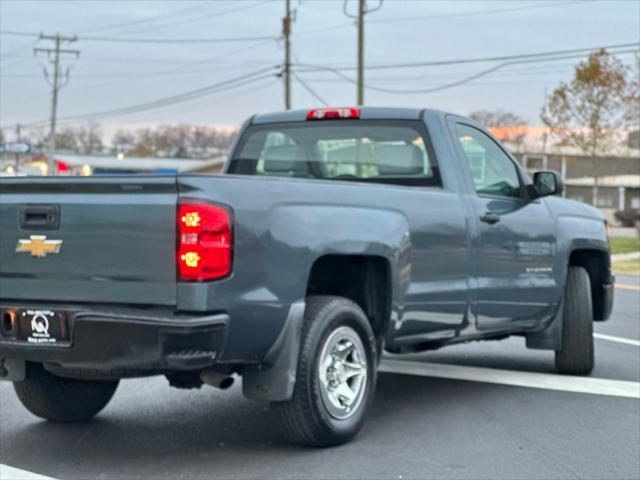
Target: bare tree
(586,112)
(633,95)
(145,143)
(38,137)
(506,126)
(123,140)
(177,141)
(89,137)
(180,140)
(497,118)
(66,140)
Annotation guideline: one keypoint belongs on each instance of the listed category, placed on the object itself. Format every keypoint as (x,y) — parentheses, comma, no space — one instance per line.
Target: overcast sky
(113,74)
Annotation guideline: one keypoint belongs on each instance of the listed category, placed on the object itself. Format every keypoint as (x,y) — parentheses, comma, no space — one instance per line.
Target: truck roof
(366,113)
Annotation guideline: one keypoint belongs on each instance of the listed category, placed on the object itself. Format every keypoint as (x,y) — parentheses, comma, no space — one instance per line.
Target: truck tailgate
(115,238)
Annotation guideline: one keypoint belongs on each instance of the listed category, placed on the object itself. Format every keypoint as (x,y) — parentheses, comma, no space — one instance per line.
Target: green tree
(588,112)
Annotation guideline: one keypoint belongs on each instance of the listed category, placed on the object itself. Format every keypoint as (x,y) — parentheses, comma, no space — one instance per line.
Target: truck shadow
(137,438)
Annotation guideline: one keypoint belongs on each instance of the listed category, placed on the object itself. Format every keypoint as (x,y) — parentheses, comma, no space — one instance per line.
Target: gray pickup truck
(334,235)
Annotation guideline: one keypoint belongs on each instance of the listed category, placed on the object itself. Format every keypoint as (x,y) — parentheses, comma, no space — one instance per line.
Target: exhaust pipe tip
(226,383)
(216,379)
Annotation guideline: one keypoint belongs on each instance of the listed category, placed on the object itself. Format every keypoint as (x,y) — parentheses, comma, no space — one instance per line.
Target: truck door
(513,281)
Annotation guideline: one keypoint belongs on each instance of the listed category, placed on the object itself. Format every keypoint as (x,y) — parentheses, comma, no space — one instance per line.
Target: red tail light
(204,250)
(333,113)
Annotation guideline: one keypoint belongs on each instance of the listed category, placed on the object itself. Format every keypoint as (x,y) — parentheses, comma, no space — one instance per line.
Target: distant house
(618,172)
(104,165)
(618,192)
(72,164)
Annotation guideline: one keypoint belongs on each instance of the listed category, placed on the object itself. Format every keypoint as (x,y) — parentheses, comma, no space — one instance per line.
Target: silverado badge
(39,246)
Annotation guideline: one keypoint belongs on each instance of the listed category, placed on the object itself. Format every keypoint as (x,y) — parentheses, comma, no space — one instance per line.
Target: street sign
(16,147)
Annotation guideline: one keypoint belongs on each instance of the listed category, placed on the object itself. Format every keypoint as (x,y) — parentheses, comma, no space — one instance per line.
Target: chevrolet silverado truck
(334,235)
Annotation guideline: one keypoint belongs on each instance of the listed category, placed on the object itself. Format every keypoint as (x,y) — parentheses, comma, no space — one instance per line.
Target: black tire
(576,357)
(60,399)
(304,418)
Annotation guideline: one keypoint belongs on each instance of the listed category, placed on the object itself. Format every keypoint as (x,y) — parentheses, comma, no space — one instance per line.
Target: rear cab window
(372,151)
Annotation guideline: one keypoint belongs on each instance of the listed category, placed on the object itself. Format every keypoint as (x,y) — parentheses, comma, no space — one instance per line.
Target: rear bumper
(124,342)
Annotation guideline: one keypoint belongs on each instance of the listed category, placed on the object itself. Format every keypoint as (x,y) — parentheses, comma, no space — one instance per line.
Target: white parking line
(611,338)
(11,473)
(566,383)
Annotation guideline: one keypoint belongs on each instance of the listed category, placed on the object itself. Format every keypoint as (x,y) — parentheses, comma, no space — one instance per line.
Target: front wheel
(336,374)
(576,357)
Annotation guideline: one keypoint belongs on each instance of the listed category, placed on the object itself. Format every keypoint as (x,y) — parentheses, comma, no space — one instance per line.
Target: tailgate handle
(40,217)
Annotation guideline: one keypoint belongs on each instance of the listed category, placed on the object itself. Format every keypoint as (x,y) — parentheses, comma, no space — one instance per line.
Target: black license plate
(42,327)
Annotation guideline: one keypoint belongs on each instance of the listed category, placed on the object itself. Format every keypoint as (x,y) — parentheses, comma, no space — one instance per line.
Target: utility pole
(56,86)
(286,32)
(18,140)
(362,11)
(362,7)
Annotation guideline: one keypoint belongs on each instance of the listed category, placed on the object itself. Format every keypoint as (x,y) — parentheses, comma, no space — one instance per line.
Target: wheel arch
(597,263)
(365,279)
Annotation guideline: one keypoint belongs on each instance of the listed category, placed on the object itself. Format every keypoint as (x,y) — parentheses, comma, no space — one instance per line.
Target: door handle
(40,217)
(490,218)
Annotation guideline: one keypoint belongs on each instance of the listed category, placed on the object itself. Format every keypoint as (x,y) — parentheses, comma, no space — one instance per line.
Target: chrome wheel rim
(342,371)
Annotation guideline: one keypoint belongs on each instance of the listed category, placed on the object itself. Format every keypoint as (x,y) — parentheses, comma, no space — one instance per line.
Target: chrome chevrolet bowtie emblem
(39,246)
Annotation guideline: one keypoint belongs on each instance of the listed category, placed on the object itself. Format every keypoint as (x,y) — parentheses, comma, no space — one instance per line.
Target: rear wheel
(60,399)
(576,357)
(336,374)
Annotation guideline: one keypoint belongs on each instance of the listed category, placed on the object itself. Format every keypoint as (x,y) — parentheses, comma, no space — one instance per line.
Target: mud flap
(550,338)
(274,379)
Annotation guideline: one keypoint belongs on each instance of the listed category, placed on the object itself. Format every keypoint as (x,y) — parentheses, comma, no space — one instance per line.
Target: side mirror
(547,183)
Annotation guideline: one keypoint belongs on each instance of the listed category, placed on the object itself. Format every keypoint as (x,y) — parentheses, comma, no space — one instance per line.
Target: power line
(440,16)
(143,20)
(22,48)
(141,60)
(158,60)
(431,78)
(13,54)
(201,17)
(150,40)
(190,95)
(427,90)
(19,34)
(475,13)
(132,111)
(488,59)
(177,40)
(313,93)
(160,103)
(445,86)
(254,87)
(132,75)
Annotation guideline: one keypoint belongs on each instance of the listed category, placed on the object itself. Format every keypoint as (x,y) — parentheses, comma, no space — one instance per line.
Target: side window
(493,171)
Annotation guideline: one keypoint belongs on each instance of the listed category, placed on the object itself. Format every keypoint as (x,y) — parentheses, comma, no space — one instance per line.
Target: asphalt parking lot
(538,425)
